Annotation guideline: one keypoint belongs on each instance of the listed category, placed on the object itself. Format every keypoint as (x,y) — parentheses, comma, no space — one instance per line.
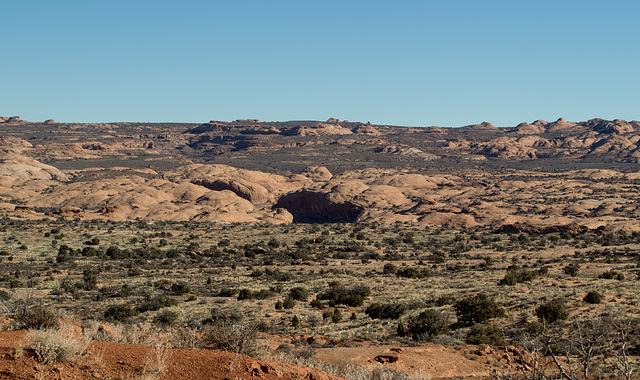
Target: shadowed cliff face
(308,206)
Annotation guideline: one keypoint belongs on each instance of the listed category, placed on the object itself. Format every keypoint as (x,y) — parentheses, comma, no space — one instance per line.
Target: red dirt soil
(107,360)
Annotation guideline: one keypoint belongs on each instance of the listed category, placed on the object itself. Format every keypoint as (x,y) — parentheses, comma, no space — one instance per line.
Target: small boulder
(387,358)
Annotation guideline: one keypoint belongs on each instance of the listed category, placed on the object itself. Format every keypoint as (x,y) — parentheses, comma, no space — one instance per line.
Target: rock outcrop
(312,206)
(406,151)
(257,187)
(318,130)
(366,129)
(484,126)
(317,173)
(252,192)
(12,120)
(15,168)
(210,127)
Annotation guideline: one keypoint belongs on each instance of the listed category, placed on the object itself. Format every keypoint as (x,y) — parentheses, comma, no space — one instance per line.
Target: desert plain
(262,249)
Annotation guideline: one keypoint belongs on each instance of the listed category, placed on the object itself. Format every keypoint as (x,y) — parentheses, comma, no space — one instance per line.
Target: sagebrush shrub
(484,334)
(477,309)
(245,294)
(156,302)
(221,317)
(427,325)
(515,275)
(299,293)
(612,275)
(592,297)
(415,273)
(338,294)
(167,317)
(119,313)
(572,269)
(33,314)
(552,311)
(289,303)
(386,311)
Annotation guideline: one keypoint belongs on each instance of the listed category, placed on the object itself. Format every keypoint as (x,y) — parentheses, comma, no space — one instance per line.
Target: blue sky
(422,63)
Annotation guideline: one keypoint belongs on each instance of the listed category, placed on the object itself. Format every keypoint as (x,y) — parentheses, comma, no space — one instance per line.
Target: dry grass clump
(156,362)
(235,336)
(142,333)
(185,338)
(56,345)
(137,334)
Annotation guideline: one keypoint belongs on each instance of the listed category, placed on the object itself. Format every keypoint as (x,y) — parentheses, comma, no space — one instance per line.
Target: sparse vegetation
(452,296)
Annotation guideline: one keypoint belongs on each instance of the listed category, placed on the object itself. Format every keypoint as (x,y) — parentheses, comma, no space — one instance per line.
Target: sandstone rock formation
(317,173)
(318,130)
(212,127)
(257,187)
(15,168)
(484,126)
(326,171)
(13,143)
(12,120)
(366,129)
(406,151)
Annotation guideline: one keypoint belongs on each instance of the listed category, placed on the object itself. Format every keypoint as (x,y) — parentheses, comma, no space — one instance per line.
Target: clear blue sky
(447,63)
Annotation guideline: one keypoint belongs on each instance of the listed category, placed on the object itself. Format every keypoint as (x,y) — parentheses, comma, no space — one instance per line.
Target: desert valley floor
(141,250)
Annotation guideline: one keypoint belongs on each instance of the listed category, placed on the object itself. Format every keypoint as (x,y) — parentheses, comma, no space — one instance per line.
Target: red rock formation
(366,130)
(484,126)
(13,120)
(211,127)
(317,173)
(318,130)
(252,192)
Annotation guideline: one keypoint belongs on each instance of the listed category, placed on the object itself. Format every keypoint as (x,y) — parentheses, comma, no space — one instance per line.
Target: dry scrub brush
(33,314)
(157,360)
(56,344)
(592,348)
(234,336)
(348,370)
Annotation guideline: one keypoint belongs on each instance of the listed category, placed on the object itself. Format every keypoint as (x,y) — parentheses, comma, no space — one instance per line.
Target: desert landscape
(319,249)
